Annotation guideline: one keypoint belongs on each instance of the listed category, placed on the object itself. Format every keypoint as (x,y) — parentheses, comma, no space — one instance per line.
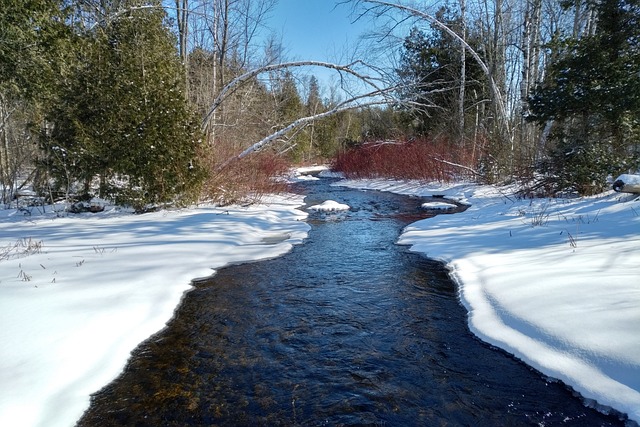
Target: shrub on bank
(429,160)
(242,181)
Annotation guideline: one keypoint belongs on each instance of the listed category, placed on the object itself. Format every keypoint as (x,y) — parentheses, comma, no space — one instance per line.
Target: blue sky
(315,29)
(319,30)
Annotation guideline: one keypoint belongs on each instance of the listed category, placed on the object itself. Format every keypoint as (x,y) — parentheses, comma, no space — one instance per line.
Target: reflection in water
(347,329)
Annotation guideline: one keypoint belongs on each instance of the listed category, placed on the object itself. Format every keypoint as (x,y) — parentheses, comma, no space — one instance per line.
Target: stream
(347,329)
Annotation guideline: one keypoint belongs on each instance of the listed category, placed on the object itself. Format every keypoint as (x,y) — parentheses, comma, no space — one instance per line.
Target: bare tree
(229,31)
(182,22)
(531,49)
(511,54)
(383,7)
(350,104)
(17,149)
(380,92)
(373,81)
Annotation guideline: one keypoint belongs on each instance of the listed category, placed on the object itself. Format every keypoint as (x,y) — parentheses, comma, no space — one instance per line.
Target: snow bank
(312,173)
(629,179)
(78,294)
(554,282)
(627,183)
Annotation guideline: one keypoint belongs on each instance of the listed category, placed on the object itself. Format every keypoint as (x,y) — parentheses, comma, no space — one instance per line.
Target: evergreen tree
(289,107)
(289,103)
(31,34)
(33,44)
(314,101)
(430,69)
(312,133)
(123,116)
(592,96)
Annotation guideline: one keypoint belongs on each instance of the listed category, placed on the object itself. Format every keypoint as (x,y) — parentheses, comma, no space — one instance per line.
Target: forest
(151,103)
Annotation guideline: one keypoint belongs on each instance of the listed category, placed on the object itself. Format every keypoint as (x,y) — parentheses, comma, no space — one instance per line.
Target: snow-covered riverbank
(78,294)
(555,282)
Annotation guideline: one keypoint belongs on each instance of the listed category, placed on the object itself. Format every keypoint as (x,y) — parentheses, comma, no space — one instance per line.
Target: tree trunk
(530,47)
(182,19)
(494,76)
(463,73)
(4,152)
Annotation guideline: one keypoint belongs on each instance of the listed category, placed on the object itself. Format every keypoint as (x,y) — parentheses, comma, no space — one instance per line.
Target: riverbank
(552,281)
(79,293)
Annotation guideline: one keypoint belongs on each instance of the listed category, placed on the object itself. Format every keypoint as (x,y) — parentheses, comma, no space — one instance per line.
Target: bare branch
(378,97)
(457,165)
(232,85)
(497,94)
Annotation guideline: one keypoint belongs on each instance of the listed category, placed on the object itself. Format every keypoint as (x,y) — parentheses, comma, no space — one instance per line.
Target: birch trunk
(530,47)
(463,73)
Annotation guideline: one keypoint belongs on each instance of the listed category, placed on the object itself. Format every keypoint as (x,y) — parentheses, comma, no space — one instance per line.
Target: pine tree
(33,41)
(30,32)
(592,96)
(289,107)
(430,67)
(123,118)
(313,105)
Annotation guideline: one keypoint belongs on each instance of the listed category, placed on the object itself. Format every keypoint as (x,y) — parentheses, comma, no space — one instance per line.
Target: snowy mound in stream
(438,206)
(330,205)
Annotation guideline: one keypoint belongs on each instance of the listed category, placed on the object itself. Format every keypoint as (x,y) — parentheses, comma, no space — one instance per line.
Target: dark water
(347,329)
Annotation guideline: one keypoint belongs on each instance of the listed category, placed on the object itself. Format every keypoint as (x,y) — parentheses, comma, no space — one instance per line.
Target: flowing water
(347,329)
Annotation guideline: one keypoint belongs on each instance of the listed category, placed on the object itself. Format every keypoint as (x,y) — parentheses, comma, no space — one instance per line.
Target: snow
(301,175)
(310,169)
(629,179)
(312,173)
(75,307)
(438,206)
(555,282)
(330,206)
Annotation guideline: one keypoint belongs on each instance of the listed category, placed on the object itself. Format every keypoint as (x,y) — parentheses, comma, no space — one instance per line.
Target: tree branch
(233,84)
(457,165)
(497,93)
(378,97)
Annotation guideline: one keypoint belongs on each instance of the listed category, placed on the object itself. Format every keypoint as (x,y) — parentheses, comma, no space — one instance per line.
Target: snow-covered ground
(78,294)
(555,282)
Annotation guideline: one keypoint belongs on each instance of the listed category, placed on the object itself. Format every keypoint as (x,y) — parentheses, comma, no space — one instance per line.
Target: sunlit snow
(629,179)
(330,206)
(440,206)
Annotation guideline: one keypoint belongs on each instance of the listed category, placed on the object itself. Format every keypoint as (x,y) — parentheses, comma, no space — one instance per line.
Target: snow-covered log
(627,183)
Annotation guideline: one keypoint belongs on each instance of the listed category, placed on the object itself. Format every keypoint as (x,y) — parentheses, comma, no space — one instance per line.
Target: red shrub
(241,181)
(429,160)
